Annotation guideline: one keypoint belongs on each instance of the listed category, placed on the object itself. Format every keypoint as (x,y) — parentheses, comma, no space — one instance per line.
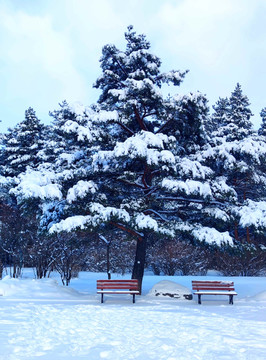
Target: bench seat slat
(117,284)
(117,281)
(120,281)
(211,285)
(118,288)
(117,292)
(212,288)
(120,285)
(215,292)
(212,282)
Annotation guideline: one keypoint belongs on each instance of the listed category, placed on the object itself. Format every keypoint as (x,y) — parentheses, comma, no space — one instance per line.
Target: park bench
(118,287)
(214,288)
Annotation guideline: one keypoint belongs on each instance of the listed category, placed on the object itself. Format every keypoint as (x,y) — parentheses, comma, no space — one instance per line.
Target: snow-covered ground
(40,319)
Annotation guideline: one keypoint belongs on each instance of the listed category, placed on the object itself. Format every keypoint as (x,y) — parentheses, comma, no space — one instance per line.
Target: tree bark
(236,232)
(139,264)
(108,260)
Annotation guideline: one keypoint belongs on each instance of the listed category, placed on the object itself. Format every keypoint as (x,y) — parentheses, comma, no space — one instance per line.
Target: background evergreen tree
(22,144)
(237,154)
(237,124)
(220,114)
(262,129)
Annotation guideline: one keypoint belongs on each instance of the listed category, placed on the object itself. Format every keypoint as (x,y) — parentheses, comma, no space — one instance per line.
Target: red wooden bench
(214,288)
(118,287)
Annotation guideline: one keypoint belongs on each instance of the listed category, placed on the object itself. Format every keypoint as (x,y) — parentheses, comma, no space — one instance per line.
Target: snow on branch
(99,214)
(212,236)
(37,184)
(71,223)
(109,213)
(252,214)
(251,147)
(222,191)
(82,132)
(194,168)
(145,144)
(228,151)
(189,187)
(6,180)
(105,116)
(80,190)
(146,222)
(174,76)
(217,214)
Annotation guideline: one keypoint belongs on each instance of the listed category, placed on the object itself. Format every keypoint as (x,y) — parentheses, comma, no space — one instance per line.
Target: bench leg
(199,299)
(134,298)
(101,298)
(231,301)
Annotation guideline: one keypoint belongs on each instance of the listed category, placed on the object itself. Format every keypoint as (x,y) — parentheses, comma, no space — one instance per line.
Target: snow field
(47,321)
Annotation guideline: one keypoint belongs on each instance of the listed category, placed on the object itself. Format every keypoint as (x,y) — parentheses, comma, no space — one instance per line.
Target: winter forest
(137,181)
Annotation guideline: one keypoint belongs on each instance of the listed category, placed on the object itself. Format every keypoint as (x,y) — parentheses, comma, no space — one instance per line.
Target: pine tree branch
(126,128)
(139,119)
(196,201)
(118,63)
(128,230)
(151,190)
(156,213)
(163,126)
(132,184)
(148,114)
(147,177)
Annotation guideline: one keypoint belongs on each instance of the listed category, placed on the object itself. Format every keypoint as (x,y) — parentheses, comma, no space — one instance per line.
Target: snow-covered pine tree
(262,129)
(59,140)
(237,124)
(20,150)
(22,144)
(219,116)
(62,177)
(71,141)
(62,185)
(149,172)
(236,154)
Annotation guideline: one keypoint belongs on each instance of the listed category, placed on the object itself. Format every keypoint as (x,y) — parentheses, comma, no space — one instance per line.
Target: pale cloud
(31,42)
(50,49)
(208,31)
(221,42)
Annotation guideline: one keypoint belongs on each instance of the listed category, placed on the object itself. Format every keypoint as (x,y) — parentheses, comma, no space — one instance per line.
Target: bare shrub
(241,261)
(173,256)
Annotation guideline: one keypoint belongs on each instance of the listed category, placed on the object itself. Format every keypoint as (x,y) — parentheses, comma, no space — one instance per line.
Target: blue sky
(50,49)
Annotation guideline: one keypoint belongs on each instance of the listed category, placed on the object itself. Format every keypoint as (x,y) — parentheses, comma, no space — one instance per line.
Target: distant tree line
(136,181)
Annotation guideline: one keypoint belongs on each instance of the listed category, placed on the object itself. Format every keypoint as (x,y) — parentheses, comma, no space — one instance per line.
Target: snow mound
(259,297)
(35,289)
(171,289)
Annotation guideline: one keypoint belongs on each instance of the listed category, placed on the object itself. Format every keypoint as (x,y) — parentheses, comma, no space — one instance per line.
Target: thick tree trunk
(236,232)
(248,235)
(139,264)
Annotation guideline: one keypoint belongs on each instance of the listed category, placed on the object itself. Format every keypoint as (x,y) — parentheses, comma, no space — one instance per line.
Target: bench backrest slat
(213,285)
(118,284)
